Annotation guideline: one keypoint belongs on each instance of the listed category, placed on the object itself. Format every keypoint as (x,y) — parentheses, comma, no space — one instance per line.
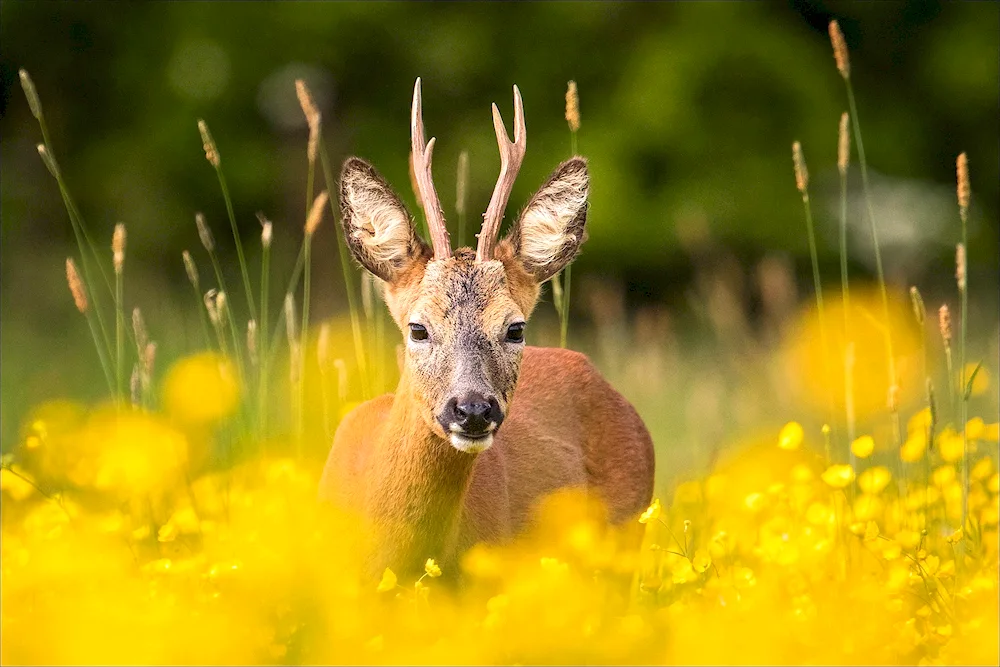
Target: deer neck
(417,492)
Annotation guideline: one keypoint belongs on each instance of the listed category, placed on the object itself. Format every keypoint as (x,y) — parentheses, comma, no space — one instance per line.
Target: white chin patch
(471,445)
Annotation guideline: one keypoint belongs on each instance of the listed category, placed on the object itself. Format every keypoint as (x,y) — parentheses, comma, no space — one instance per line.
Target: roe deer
(480,426)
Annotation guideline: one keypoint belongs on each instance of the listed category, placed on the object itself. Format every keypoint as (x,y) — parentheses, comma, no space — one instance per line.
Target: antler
(420,157)
(511,156)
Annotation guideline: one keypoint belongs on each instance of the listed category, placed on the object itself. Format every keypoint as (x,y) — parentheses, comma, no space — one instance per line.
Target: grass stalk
(212,155)
(843,160)
(194,279)
(265,340)
(79,291)
(802,183)
(359,346)
(961,275)
(209,243)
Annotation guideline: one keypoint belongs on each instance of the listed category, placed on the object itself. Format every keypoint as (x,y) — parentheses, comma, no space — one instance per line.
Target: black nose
(473,413)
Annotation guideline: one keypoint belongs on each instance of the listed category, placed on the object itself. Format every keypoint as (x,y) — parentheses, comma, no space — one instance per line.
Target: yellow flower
(975,428)
(914,447)
(955,537)
(838,476)
(15,485)
(701,561)
(863,446)
(871,531)
(994,484)
(388,581)
(874,480)
(920,422)
(201,389)
(432,569)
(982,469)
(943,475)
(652,512)
(790,436)
(951,445)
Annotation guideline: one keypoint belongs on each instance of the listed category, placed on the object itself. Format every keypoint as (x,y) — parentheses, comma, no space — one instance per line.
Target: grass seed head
(315,213)
(843,144)
(208,143)
(190,268)
(801,172)
(135,385)
(572,107)
(944,324)
(49,161)
(29,92)
(964,191)
(840,50)
(118,247)
(919,311)
(148,360)
(139,329)
(266,231)
(76,287)
(204,233)
(960,266)
(313,117)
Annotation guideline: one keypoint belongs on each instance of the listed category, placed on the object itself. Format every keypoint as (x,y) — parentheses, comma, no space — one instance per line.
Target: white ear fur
(376,224)
(551,229)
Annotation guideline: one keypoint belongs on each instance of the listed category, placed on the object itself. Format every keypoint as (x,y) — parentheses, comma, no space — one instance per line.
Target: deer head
(463,314)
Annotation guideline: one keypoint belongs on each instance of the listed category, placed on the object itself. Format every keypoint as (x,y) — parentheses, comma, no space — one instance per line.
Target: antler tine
(421,155)
(511,156)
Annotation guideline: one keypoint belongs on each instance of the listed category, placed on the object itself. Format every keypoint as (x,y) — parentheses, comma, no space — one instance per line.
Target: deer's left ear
(550,231)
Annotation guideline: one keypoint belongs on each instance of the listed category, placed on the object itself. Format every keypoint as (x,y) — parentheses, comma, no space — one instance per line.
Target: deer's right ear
(378,229)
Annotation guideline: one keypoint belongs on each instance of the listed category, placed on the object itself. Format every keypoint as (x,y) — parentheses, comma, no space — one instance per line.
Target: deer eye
(418,332)
(515,333)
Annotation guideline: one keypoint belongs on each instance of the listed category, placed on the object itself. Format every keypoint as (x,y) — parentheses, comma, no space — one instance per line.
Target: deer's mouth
(471,443)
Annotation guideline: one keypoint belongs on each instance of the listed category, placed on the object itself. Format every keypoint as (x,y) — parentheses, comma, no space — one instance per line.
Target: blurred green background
(688,114)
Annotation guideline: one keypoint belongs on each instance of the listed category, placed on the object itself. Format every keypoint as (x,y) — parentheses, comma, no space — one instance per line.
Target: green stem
(239,243)
(264,342)
(874,229)
(963,327)
(846,292)
(120,341)
(818,286)
(303,341)
(359,349)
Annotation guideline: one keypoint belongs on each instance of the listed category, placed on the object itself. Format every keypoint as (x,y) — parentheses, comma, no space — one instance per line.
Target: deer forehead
(458,294)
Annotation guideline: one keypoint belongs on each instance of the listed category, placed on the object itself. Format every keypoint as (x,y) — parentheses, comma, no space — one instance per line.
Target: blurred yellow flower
(875,479)
(431,568)
(975,428)
(652,512)
(919,422)
(791,436)
(943,475)
(994,484)
(863,446)
(14,482)
(388,581)
(982,469)
(955,537)
(701,561)
(951,445)
(201,389)
(838,475)
(871,531)
(913,449)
